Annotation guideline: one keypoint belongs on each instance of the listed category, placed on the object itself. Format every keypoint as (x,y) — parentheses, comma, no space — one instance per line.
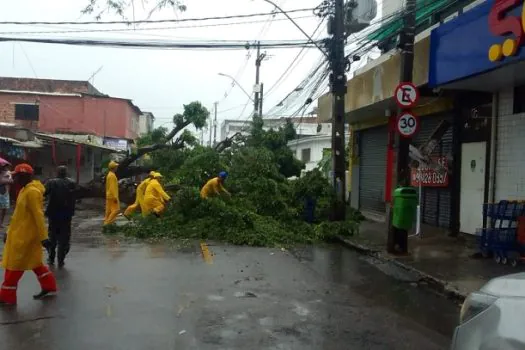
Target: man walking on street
(60,193)
(25,237)
(112,195)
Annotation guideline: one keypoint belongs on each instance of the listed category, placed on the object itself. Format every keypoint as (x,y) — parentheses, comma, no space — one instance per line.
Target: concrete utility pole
(215,125)
(257,89)
(338,89)
(261,101)
(406,44)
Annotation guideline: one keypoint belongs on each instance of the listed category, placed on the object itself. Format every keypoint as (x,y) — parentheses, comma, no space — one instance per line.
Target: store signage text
(501,23)
(428,176)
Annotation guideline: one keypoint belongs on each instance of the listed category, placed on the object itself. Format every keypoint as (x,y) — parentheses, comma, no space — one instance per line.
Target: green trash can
(405,207)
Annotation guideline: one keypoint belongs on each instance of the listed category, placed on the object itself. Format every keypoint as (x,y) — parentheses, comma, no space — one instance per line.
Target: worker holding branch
(139,197)
(215,186)
(155,198)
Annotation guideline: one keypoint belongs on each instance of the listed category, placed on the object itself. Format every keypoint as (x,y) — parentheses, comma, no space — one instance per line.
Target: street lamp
(237,83)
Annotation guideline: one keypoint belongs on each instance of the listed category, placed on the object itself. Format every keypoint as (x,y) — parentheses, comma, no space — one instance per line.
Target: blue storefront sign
(480,40)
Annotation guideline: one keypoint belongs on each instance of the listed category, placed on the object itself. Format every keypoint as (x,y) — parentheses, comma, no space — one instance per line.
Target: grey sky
(161,81)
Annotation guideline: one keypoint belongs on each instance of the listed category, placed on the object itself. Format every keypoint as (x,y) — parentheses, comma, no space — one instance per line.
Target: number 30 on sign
(407,124)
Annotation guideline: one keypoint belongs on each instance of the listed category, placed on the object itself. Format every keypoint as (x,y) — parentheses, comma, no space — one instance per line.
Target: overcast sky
(161,81)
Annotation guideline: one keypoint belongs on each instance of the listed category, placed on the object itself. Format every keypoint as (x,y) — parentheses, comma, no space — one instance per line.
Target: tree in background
(119,7)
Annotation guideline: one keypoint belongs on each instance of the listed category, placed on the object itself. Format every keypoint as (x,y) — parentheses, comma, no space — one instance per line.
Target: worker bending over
(214,187)
(112,195)
(139,197)
(26,235)
(155,197)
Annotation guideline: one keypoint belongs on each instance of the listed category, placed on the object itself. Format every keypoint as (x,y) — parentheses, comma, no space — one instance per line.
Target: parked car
(493,318)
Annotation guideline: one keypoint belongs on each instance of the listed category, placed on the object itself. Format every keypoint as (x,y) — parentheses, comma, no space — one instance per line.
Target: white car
(493,318)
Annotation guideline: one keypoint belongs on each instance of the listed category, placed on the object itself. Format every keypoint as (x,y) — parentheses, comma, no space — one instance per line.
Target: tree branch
(121,170)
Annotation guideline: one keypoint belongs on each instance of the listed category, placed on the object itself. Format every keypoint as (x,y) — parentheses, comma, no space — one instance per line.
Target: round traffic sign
(406,95)
(407,124)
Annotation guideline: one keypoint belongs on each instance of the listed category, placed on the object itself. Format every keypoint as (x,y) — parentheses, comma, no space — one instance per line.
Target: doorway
(472,194)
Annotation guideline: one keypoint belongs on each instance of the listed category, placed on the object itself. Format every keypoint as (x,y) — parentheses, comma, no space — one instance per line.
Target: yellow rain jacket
(155,197)
(112,198)
(27,229)
(141,191)
(212,188)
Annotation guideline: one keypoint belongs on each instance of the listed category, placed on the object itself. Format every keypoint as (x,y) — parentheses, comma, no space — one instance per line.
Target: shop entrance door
(472,194)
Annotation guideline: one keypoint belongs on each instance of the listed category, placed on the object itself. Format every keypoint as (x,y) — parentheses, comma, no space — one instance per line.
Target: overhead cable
(246,15)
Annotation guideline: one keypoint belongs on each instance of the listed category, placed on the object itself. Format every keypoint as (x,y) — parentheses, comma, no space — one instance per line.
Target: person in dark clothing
(60,193)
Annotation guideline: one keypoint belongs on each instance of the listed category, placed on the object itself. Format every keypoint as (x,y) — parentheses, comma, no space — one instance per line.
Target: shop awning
(425,9)
(54,137)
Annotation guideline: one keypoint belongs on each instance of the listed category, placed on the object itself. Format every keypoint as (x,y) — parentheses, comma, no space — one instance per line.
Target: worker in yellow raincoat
(26,235)
(215,186)
(112,197)
(155,197)
(139,197)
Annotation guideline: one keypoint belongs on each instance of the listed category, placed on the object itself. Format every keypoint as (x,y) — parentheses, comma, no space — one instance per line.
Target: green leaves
(194,113)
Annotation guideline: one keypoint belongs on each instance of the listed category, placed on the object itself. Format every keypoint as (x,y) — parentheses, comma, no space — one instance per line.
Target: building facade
(445,118)
(146,121)
(66,106)
(492,166)
(307,126)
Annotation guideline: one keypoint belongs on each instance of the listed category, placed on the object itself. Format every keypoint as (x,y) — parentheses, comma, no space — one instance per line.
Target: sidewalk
(443,261)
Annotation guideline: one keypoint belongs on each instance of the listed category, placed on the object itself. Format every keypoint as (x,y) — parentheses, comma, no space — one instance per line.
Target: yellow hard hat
(112,165)
(152,173)
(158,175)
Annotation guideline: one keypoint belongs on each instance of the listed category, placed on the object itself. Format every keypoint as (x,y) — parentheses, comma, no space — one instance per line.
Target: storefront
(435,185)
(372,145)
(477,52)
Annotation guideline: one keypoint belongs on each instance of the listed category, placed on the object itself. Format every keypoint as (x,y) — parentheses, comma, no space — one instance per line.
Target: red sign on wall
(430,177)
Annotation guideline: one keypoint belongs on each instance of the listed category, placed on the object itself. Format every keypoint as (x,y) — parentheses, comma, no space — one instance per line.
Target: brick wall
(100,116)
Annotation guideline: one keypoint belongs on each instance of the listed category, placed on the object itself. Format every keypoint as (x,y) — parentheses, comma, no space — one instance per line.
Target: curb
(441,286)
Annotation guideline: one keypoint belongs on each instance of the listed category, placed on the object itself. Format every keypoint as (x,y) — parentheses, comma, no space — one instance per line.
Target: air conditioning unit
(359,14)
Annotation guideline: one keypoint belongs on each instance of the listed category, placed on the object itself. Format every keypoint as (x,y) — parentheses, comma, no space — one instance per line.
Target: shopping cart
(499,237)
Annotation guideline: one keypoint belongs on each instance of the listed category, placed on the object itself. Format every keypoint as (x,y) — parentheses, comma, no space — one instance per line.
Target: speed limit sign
(407,124)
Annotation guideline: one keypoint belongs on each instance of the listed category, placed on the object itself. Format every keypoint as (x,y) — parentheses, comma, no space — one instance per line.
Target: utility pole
(338,89)
(215,125)
(261,101)
(211,127)
(256,101)
(406,44)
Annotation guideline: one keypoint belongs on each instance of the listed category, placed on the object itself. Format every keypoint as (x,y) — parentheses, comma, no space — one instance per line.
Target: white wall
(510,149)
(316,146)
(64,154)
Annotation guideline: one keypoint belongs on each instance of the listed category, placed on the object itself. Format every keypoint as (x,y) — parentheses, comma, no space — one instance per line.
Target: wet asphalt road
(135,296)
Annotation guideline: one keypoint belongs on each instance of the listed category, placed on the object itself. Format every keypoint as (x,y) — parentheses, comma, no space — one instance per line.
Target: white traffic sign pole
(418,215)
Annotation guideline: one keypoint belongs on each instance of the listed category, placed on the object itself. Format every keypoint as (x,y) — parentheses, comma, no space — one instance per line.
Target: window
(26,112)
(519,99)
(305,155)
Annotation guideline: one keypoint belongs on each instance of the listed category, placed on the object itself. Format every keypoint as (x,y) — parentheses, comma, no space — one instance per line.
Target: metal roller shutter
(372,169)
(436,200)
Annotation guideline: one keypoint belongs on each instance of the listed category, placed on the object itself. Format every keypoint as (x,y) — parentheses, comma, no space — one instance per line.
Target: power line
(162,44)
(290,66)
(247,15)
(132,30)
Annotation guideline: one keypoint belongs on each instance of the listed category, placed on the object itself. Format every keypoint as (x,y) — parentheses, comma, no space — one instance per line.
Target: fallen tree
(178,138)
(265,209)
